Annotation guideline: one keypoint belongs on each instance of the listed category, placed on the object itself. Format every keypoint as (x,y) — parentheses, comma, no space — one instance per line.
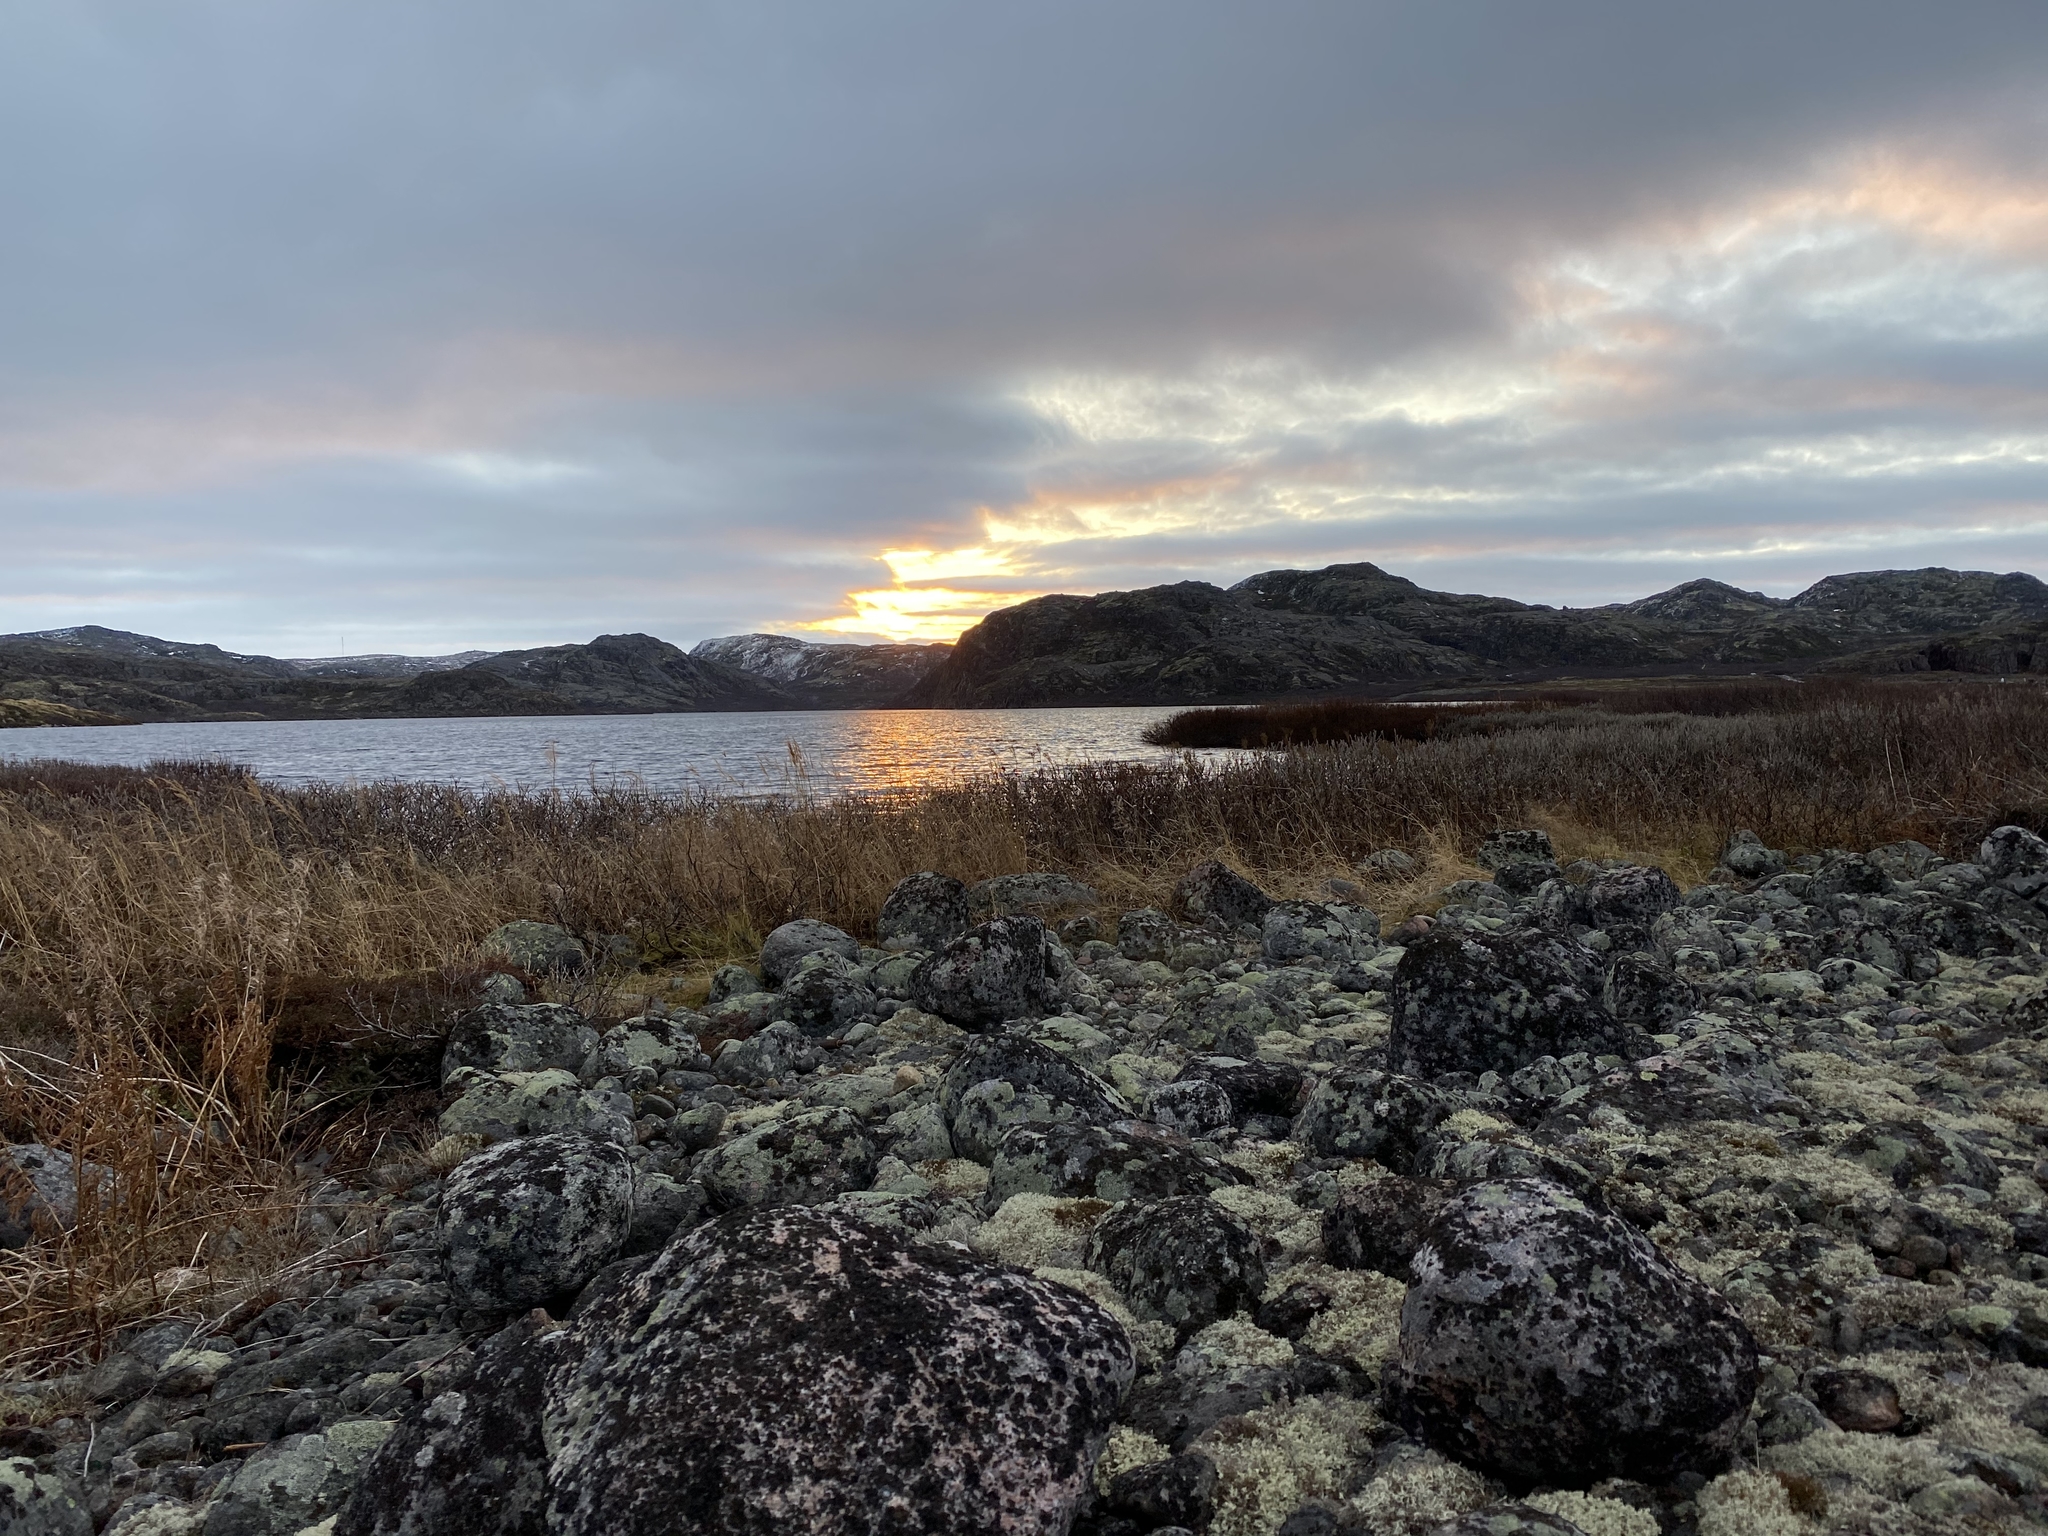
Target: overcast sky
(432,324)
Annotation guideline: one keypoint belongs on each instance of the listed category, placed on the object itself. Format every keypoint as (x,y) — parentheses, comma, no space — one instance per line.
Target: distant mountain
(826,676)
(1357,627)
(381,665)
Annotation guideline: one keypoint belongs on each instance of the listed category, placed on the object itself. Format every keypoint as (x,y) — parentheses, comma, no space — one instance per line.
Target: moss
(1596,1517)
(1748,1504)
(1414,1497)
(1363,1321)
(1236,1342)
(1271,1164)
(1296,1234)
(1036,1231)
(1126,1449)
(1877,1465)
(1272,1460)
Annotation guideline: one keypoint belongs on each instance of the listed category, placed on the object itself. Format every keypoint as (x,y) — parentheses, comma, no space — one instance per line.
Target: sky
(377,325)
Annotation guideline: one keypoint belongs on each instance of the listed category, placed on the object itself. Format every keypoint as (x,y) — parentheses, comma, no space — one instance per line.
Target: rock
(923,911)
(37,1503)
(506,1105)
(1382,1225)
(39,1189)
(825,994)
(720,1389)
(1543,1341)
(1295,932)
(1651,996)
(1146,933)
(999,1082)
(639,1043)
(542,949)
(661,1208)
(1624,902)
(775,1054)
(1500,850)
(1226,1370)
(1180,1491)
(803,1158)
(1127,1160)
(1364,1112)
(1191,1106)
(467,1461)
(1481,1002)
(1002,970)
(1388,864)
(296,1482)
(1746,857)
(783,948)
(1255,1087)
(120,1378)
(525,1221)
(1858,1400)
(1510,1520)
(1040,892)
(524,1038)
(1213,895)
(1526,878)
(1910,1154)
(2010,851)
(1185,1262)
(729,982)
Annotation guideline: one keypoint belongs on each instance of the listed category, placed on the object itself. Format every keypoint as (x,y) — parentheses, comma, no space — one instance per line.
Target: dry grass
(202,977)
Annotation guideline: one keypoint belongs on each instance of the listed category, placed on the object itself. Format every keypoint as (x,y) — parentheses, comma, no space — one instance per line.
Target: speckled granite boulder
(518,1038)
(1747,858)
(779,1051)
(468,1461)
(2010,851)
(528,1220)
(1127,1160)
(297,1482)
(1642,991)
(825,994)
(1271,1088)
(1297,932)
(1191,1106)
(1184,1262)
(1624,902)
(1382,1226)
(1146,933)
(802,1159)
(1040,891)
(1364,1112)
(999,1082)
(923,911)
(790,943)
(1545,1342)
(37,1503)
(541,948)
(799,1370)
(1004,969)
(503,1105)
(1499,850)
(1478,1002)
(1216,896)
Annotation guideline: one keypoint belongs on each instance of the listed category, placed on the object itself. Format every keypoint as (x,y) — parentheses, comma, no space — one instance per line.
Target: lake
(753,753)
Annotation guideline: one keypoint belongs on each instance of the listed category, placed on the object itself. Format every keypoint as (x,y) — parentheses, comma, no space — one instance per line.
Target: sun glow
(916,613)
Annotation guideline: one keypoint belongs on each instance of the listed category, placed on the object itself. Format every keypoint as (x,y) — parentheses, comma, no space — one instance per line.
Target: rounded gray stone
(526,1221)
(1000,1082)
(1185,1262)
(923,911)
(790,943)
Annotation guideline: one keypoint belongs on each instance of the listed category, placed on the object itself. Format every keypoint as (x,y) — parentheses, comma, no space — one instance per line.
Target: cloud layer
(437,326)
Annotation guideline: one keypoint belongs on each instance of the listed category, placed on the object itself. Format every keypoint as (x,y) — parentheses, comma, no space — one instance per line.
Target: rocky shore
(1589,1205)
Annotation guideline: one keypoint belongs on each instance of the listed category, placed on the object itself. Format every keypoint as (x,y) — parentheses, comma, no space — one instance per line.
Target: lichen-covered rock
(1185,1262)
(1127,1160)
(2012,851)
(1191,1106)
(1000,1082)
(1547,1342)
(518,1038)
(300,1480)
(504,1105)
(1270,1088)
(801,1370)
(468,1460)
(1364,1112)
(1910,1154)
(1499,850)
(1004,969)
(825,994)
(1040,891)
(1213,895)
(1482,1002)
(1180,1491)
(528,1220)
(783,948)
(1624,902)
(661,1208)
(1746,857)
(543,949)
(1294,932)
(39,1189)
(1651,996)
(923,911)
(1381,1226)
(1146,933)
(1227,1369)
(38,1503)
(1510,1520)
(779,1051)
(800,1159)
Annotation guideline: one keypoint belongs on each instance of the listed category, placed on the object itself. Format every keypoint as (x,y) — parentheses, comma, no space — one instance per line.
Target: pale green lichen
(1127,1450)
(1362,1324)
(1272,1460)
(1293,1234)
(1596,1517)
(1887,1467)
(1039,1231)
(1237,1342)
(1748,1504)
(1414,1497)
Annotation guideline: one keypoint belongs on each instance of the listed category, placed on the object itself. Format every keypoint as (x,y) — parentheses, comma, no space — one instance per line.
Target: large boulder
(826,994)
(923,911)
(999,1082)
(1382,1226)
(533,1037)
(1039,891)
(1545,1342)
(1214,895)
(1503,850)
(526,1221)
(803,1370)
(501,1106)
(1002,970)
(296,1482)
(2011,851)
(543,949)
(1624,902)
(790,943)
(1270,1088)
(800,1159)
(1185,1262)
(467,1461)
(1127,1160)
(1364,1112)
(38,1503)
(1191,1106)
(1746,857)
(1480,1002)
(1315,932)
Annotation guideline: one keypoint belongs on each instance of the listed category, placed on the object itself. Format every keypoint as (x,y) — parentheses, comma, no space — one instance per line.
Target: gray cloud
(472,324)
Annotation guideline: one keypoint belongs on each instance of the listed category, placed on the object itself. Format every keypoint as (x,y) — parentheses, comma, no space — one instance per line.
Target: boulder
(826,994)
(1646,993)
(541,949)
(773,1054)
(1500,850)
(2010,851)
(532,1037)
(999,1082)
(803,1370)
(1213,895)
(1127,1160)
(1382,1226)
(1039,891)
(298,1481)
(468,1460)
(1191,1106)
(39,1189)
(1543,1341)
(800,1159)
(1185,1261)
(1746,857)
(1486,1002)
(38,1503)
(1315,932)
(783,948)
(1180,1491)
(505,1105)
(1002,970)
(1624,902)
(526,1221)
(1146,933)
(1526,878)
(1271,1088)
(923,911)
(1364,1112)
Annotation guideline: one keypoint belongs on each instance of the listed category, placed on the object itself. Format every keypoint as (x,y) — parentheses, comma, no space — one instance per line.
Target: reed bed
(212,986)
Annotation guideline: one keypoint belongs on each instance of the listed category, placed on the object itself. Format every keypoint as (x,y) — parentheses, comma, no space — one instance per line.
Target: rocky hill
(826,676)
(1357,627)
